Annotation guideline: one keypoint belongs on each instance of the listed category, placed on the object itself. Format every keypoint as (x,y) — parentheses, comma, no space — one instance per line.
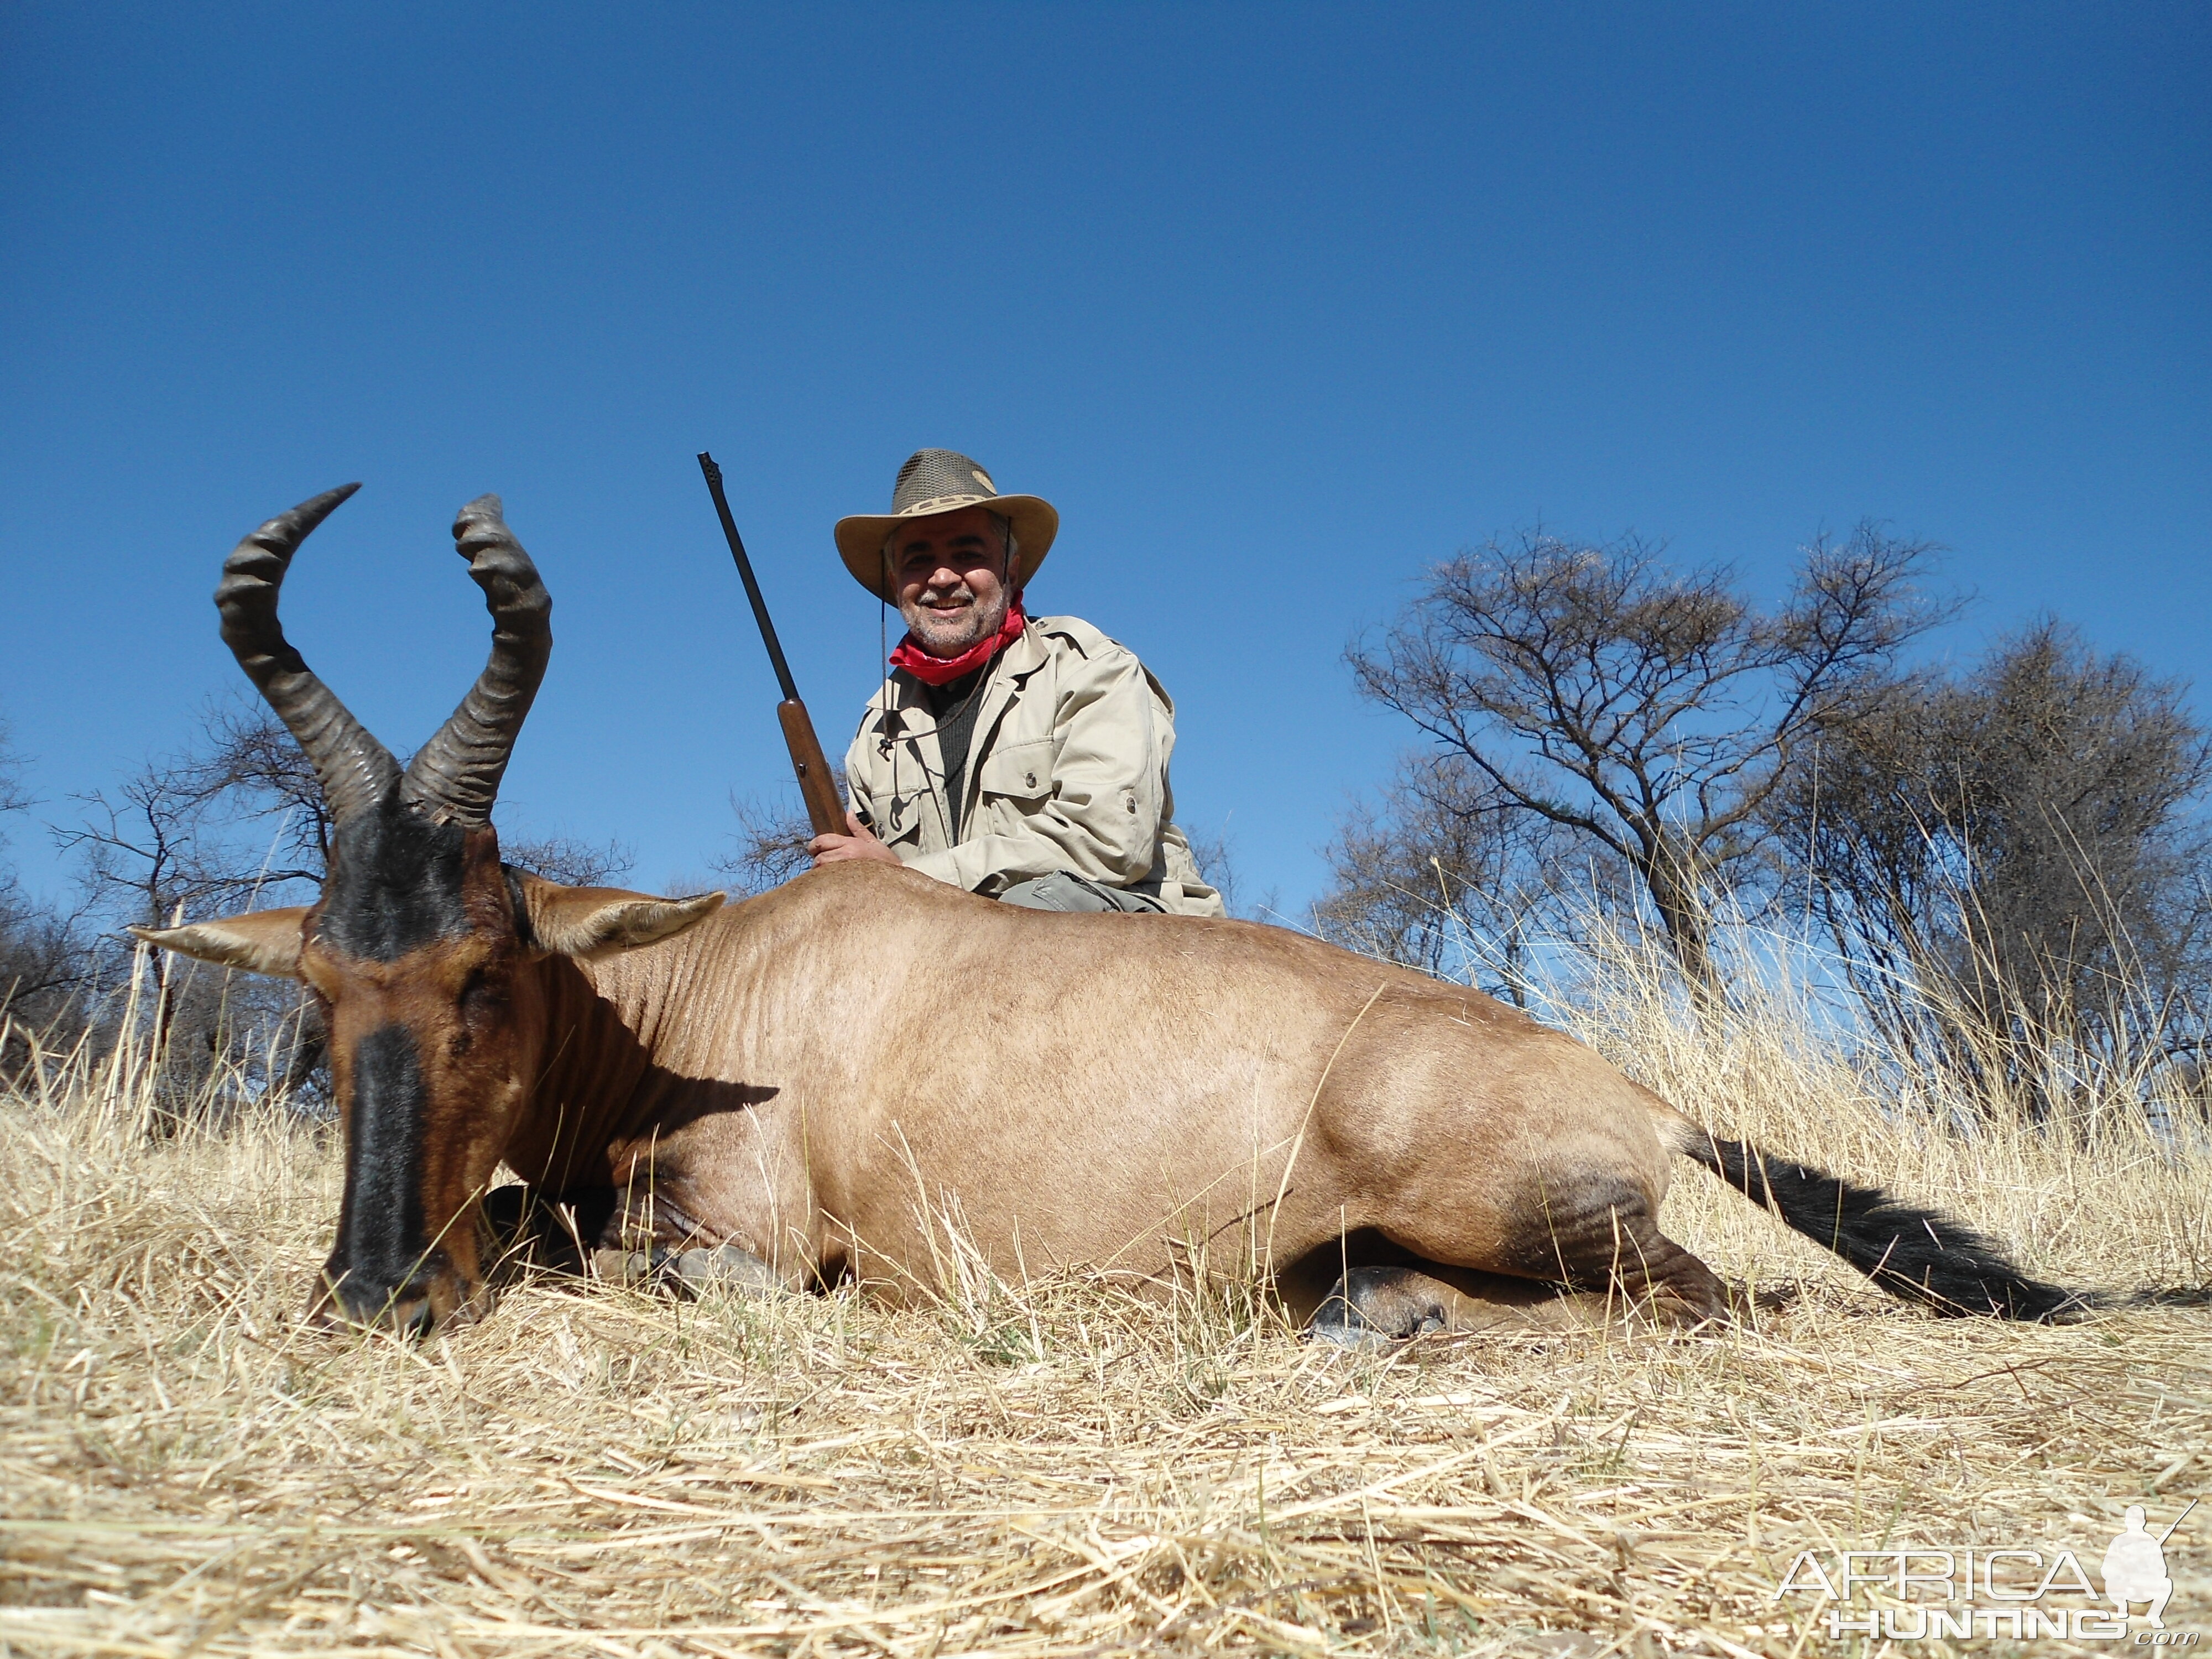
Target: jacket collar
(1009,678)
(1009,673)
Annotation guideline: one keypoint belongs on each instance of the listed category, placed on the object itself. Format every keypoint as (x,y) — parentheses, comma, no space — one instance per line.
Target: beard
(944,633)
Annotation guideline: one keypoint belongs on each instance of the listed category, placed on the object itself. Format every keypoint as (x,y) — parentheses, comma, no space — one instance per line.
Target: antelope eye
(479,996)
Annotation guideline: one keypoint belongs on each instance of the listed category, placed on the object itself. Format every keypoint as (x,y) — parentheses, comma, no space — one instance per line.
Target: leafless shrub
(2012,866)
(44,970)
(14,797)
(1447,873)
(567,860)
(1215,854)
(768,847)
(1648,712)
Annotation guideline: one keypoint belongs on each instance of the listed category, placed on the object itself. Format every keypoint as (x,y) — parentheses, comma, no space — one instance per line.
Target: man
(1025,759)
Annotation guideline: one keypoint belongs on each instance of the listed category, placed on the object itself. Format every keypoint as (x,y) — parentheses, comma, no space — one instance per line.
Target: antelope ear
(599,921)
(260,942)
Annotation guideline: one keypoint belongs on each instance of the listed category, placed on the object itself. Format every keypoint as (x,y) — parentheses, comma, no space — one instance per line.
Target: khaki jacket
(1067,770)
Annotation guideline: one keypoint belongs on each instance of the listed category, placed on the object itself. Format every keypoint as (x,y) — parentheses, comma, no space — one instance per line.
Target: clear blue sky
(1277,303)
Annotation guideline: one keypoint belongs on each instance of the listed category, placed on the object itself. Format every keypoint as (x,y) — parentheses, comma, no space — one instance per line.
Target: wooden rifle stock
(823,810)
(816,786)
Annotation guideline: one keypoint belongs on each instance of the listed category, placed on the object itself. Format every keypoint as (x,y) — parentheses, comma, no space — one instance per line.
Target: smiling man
(1022,758)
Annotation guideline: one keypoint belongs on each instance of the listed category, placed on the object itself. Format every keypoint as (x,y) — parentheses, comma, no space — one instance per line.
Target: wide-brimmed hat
(936,481)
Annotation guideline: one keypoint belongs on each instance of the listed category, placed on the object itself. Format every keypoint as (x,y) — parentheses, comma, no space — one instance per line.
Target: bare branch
(1644,709)
(2013,865)
(575,863)
(768,847)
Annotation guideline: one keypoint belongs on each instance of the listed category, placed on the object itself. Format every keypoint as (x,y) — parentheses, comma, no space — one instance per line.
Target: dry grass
(1054,1468)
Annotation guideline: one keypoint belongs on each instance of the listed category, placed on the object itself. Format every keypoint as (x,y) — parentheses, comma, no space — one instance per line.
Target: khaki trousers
(1064,891)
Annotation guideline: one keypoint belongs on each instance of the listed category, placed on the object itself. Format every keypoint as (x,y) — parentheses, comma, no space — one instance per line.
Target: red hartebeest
(817,1076)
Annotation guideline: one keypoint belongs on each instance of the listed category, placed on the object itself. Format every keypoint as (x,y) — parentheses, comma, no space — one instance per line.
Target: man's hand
(856,843)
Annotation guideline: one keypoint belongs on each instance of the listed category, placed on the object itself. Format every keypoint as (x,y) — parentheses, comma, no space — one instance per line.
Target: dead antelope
(818,1076)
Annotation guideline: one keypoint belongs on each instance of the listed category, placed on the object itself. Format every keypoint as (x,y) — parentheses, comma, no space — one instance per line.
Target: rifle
(823,810)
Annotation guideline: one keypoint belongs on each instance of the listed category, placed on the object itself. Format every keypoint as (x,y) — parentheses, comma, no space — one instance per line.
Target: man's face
(949,572)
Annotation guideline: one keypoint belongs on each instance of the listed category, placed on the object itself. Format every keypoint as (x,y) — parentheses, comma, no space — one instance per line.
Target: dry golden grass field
(1052,1468)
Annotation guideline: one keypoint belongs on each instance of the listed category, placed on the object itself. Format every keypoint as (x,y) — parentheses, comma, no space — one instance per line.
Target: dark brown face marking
(415,947)
(384,1261)
(396,883)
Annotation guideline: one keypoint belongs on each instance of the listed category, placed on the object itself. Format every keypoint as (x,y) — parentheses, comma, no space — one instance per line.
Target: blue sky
(1277,304)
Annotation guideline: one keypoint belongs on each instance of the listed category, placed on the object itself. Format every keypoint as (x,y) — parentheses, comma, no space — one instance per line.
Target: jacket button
(1028,780)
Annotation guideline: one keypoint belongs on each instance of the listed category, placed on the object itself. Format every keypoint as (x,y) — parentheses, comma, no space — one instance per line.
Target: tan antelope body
(837,1076)
(820,1073)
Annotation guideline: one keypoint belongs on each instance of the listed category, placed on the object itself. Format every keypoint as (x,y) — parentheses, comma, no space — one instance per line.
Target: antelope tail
(1917,1255)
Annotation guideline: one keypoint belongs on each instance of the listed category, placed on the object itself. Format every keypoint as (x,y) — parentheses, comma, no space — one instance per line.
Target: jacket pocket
(1020,771)
(899,821)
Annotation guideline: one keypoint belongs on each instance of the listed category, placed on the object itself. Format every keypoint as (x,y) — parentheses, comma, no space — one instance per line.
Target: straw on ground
(1054,1468)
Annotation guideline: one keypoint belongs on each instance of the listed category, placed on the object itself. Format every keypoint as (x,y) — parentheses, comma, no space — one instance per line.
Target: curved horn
(455,776)
(354,769)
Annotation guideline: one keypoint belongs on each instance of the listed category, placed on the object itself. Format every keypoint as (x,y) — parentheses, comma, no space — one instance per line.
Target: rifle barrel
(745,571)
(824,811)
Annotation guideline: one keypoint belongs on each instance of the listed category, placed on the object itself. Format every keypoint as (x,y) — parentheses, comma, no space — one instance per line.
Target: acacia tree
(234,821)
(1648,712)
(768,847)
(2012,866)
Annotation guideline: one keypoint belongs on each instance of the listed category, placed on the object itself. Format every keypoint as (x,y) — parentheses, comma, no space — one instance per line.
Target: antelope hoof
(725,1267)
(1376,1308)
(718,1267)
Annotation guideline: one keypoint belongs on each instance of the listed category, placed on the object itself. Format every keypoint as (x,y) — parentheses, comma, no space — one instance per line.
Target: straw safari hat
(935,481)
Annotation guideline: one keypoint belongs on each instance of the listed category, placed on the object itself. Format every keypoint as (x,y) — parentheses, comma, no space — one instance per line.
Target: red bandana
(943,670)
